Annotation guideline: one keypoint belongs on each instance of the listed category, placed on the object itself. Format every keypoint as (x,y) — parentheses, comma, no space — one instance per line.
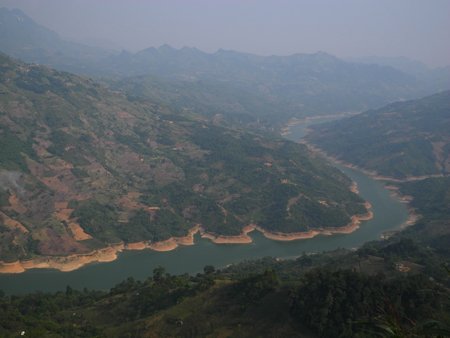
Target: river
(389,214)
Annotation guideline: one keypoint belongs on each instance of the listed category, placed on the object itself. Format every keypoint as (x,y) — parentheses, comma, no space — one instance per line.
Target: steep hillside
(403,139)
(82,167)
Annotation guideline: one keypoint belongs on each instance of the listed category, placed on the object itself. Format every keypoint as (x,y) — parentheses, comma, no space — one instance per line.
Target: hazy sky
(419,29)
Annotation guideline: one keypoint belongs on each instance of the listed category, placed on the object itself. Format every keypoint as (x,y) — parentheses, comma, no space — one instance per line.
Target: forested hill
(403,139)
(82,167)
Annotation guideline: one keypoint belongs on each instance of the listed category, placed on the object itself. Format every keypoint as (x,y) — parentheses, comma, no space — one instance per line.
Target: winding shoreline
(111,252)
(244,238)
(103,255)
(413,216)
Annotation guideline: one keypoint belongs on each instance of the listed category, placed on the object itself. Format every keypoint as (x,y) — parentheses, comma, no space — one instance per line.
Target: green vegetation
(391,288)
(135,171)
(431,199)
(4,198)
(13,151)
(402,139)
(97,219)
(163,224)
(431,196)
(348,304)
(95,313)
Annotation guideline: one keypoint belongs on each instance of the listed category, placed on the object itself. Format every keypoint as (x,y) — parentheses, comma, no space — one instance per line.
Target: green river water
(389,214)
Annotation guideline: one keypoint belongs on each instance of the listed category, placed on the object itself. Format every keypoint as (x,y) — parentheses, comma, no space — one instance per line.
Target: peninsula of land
(111,252)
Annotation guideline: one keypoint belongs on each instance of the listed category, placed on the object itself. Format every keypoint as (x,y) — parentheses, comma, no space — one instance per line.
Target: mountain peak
(18,31)
(14,13)
(166,48)
(325,54)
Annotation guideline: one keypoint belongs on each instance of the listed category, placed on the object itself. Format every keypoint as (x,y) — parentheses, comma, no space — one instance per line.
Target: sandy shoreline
(244,238)
(413,216)
(347,229)
(295,121)
(110,253)
(63,263)
(356,220)
(107,254)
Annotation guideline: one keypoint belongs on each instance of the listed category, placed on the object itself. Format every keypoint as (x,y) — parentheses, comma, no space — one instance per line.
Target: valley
(91,171)
(198,169)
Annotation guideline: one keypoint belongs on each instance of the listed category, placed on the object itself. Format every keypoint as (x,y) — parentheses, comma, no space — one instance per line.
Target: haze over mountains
(144,150)
(150,154)
(22,38)
(273,88)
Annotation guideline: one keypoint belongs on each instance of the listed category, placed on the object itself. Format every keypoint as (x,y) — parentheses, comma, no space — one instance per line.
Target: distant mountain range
(400,140)
(437,79)
(402,63)
(273,88)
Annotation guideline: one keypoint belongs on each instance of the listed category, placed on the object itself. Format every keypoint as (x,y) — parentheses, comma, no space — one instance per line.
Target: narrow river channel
(389,214)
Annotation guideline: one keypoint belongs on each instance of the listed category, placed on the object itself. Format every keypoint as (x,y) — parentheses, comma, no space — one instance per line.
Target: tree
(209,269)
(159,274)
